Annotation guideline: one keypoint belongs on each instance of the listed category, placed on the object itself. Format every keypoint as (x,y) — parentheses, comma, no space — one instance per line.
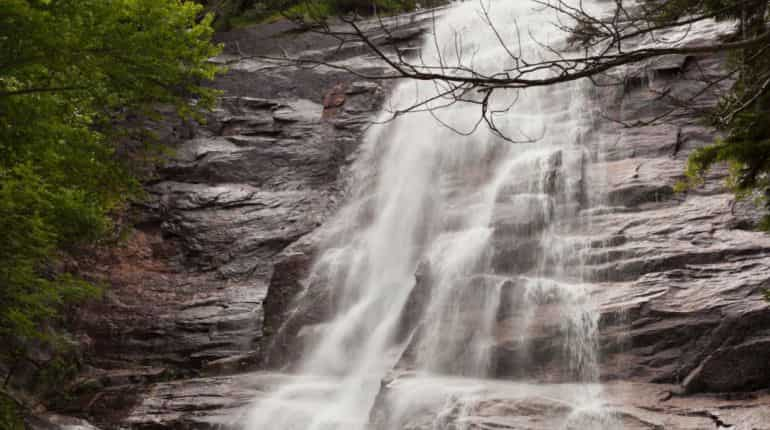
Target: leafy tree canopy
(69,71)
(242,12)
(743,116)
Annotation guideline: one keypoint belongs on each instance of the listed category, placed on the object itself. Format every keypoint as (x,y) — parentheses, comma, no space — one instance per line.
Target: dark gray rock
(189,288)
(454,403)
(51,421)
(219,284)
(681,294)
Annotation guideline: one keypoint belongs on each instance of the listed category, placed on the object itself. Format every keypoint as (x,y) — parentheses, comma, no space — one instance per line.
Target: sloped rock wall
(681,293)
(210,282)
(187,290)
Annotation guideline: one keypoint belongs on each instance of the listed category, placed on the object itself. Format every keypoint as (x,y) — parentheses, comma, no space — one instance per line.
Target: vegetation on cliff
(231,13)
(69,71)
(743,116)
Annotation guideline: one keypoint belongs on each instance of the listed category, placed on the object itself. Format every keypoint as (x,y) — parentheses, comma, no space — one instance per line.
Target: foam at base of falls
(427,402)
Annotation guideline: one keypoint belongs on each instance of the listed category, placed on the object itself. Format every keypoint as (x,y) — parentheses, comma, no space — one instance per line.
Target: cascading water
(453,262)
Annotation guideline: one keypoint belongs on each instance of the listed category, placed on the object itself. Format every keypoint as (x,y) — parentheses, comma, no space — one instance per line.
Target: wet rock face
(157,315)
(187,291)
(676,279)
(425,403)
(52,421)
(216,280)
(681,294)
(260,176)
(200,404)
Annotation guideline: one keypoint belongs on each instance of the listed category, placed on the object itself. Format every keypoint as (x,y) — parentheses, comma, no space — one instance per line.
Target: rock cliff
(206,287)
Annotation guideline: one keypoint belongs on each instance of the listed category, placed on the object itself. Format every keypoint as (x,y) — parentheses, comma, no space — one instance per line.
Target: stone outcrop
(222,401)
(677,278)
(681,292)
(187,289)
(524,406)
(207,286)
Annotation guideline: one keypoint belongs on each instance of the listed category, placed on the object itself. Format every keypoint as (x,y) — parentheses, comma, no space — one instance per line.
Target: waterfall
(455,269)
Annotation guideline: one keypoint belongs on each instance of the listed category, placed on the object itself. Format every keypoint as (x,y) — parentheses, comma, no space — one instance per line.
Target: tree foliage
(743,116)
(70,70)
(231,13)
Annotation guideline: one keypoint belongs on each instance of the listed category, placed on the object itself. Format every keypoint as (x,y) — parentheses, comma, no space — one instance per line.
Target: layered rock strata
(210,282)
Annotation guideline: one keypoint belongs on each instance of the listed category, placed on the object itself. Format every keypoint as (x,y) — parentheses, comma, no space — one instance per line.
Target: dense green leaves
(240,12)
(111,52)
(721,9)
(70,70)
(743,116)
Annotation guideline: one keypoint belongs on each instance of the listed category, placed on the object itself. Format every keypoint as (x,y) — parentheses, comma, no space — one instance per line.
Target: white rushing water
(452,262)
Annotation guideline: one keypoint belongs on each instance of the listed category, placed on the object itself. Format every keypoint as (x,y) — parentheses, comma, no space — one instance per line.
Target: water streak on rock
(454,254)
